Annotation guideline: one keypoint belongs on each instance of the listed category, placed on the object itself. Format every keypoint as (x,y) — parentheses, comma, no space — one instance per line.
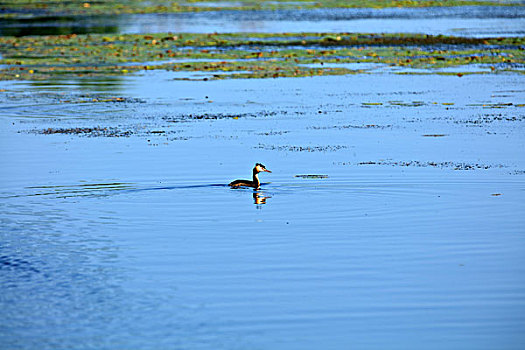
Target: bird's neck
(256,179)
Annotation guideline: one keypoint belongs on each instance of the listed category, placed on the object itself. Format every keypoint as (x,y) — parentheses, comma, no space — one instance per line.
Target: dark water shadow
(60,25)
(12,263)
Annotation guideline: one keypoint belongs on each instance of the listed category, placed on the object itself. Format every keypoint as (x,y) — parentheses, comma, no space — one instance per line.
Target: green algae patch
(257,55)
(23,9)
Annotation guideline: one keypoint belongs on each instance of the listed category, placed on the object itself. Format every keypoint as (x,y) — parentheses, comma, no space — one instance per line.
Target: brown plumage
(255,183)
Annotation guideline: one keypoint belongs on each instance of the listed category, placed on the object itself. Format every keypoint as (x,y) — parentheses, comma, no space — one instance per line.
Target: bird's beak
(268,171)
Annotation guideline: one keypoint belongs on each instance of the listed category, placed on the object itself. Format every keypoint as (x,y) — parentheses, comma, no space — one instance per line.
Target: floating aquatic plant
(256,55)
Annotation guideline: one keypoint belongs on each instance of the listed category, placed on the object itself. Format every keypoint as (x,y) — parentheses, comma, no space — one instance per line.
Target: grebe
(255,183)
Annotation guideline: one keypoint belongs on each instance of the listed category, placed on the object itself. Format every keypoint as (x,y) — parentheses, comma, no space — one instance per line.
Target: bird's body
(255,183)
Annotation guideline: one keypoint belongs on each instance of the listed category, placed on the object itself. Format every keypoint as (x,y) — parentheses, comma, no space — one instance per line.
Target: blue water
(471,21)
(136,242)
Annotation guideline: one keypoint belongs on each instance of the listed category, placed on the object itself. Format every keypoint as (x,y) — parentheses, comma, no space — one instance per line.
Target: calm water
(135,242)
(479,21)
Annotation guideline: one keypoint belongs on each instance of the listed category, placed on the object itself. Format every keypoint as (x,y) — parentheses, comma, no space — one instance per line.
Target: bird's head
(260,168)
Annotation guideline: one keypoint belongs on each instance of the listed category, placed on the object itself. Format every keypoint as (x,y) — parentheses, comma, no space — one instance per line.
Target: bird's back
(238,183)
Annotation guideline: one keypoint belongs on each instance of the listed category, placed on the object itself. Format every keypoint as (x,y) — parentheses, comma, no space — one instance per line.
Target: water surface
(414,240)
(473,21)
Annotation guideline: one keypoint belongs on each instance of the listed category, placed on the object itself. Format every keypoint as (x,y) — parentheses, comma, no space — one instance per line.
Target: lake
(393,216)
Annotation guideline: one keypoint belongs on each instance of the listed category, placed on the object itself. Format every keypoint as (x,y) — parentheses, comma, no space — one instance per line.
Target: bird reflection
(259,198)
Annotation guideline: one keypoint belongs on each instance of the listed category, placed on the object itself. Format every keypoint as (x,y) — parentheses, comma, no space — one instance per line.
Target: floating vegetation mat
(103,99)
(215,116)
(420,164)
(312,176)
(242,55)
(290,148)
(93,132)
(340,127)
(43,8)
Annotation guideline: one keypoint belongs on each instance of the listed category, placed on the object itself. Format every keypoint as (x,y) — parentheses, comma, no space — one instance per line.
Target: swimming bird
(255,183)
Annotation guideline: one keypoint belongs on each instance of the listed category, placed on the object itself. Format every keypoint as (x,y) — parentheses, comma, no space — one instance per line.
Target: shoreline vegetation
(27,9)
(255,55)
